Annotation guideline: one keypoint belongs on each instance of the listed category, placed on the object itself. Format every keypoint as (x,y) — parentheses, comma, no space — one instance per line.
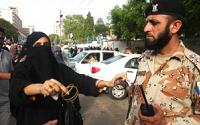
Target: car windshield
(80,56)
(113,59)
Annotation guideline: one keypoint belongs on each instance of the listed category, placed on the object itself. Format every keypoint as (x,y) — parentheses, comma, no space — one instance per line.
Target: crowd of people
(34,79)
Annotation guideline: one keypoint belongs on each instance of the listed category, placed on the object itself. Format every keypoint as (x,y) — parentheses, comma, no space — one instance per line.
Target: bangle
(98,82)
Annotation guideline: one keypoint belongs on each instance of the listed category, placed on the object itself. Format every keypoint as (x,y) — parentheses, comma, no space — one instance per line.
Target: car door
(131,68)
(84,66)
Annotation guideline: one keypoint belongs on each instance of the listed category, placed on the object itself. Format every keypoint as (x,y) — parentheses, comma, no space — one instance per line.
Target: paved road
(103,110)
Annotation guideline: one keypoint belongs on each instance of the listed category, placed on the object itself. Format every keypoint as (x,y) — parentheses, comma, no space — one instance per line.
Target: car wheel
(118,91)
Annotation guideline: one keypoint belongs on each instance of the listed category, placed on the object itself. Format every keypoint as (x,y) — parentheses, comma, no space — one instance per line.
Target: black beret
(168,7)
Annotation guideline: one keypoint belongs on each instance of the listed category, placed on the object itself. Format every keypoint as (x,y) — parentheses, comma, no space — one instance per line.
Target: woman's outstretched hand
(120,76)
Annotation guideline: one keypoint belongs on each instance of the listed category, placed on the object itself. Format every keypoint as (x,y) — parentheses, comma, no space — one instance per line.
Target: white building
(11,15)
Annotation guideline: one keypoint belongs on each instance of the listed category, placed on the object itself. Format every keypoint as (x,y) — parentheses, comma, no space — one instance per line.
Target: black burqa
(40,65)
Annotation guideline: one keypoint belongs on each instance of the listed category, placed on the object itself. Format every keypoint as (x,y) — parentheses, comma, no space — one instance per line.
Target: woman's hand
(121,77)
(52,122)
(157,119)
(51,87)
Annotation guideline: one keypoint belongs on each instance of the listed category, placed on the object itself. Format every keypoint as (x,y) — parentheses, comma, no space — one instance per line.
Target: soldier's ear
(175,26)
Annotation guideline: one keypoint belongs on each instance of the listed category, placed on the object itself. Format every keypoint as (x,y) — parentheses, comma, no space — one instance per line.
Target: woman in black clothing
(38,77)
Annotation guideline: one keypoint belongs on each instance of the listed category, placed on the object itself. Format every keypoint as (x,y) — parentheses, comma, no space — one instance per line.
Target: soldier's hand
(157,119)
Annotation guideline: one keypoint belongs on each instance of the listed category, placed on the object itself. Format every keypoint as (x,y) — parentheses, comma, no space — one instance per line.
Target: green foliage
(80,27)
(75,24)
(10,30)
(128,21)
(192,23)
(89,25)
(100,27)
(54,38)
(116,21)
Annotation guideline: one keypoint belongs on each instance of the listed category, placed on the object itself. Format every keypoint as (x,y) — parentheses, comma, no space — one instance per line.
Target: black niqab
(43,63)
(40,59)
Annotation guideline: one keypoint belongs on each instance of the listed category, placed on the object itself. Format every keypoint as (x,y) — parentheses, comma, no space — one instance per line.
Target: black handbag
(72,115)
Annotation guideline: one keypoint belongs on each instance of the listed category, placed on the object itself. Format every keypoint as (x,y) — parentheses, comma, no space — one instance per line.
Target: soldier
(167,71)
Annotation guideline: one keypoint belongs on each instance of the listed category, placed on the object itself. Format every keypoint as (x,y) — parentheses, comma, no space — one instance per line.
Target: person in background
(2,37)
(128,51)
(9,42)
(38,84)
(168,71)
(5,68)
(14,52)
(57,52)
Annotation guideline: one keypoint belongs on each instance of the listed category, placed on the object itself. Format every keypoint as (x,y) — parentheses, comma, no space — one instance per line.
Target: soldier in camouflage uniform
(168,71)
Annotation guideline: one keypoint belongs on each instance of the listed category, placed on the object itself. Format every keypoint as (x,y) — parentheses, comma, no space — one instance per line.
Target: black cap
(168,7)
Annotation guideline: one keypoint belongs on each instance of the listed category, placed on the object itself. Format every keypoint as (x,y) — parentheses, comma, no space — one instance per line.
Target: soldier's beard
(159,43)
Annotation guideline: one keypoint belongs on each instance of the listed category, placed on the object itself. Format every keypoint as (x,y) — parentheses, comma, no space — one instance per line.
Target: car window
(80,56)
(91,57)
(132,63)
(113,59)
(107,55)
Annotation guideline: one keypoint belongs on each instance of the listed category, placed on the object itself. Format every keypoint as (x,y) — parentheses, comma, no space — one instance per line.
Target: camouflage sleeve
(193,119)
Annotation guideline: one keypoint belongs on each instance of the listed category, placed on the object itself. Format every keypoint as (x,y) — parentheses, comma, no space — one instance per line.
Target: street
(103,110)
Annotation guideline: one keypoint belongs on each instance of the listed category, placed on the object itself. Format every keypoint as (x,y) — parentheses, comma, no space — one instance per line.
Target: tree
(116,21)
(54,38)
(100,27)
(192,24)
(127,22)
(89,26)
(10,30)
(75,24)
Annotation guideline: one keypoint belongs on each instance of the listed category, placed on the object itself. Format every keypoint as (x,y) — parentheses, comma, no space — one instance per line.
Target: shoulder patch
(193,57)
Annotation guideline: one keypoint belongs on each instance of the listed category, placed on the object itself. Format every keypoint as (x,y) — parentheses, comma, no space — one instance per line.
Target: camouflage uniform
(172,87)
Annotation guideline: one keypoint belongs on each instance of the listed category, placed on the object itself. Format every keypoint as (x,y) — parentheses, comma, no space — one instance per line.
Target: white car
(83,63)
(113,66)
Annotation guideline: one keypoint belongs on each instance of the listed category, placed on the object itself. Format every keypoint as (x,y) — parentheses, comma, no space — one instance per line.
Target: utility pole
(60,24)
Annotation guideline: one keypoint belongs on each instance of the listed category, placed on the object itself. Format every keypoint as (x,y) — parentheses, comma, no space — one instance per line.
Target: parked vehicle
(113,66)
(84,60)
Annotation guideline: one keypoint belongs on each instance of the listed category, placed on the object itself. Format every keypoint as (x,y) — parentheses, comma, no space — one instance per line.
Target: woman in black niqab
(37,76)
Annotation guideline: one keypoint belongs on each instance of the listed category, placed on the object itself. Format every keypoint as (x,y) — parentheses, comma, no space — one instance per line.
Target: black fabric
(168,7)
(40,65)
(72,115)
(32,38)
(29,112)
(43,62)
